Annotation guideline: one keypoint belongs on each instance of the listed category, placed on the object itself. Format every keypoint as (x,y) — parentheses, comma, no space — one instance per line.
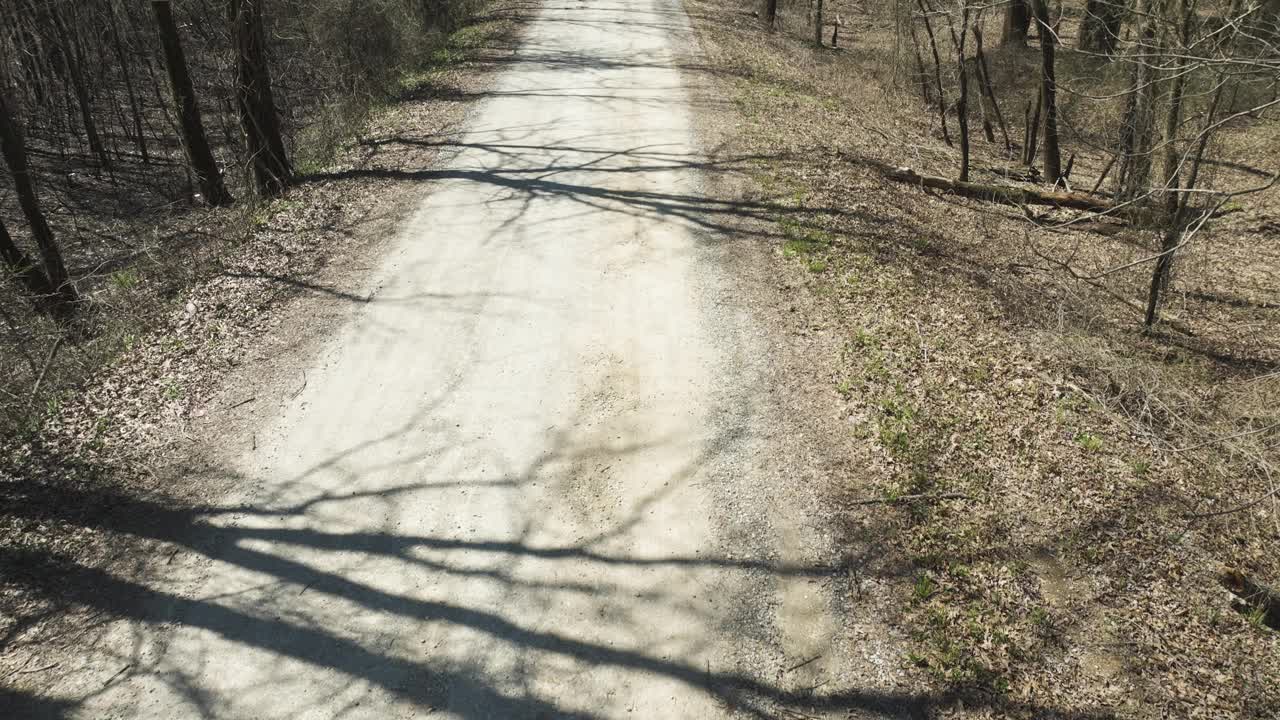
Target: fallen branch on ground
(1022,196)
(912,498)
(1003,194)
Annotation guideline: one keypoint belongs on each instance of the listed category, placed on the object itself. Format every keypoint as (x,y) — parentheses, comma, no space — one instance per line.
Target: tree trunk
(203,166)
(1032,135)
(925,93)
(962,103)
(1101,25)
(984,79)
(1017,23)
(817,23)
(15,156)
(937,71)
(1048,94)
(257,107)
(1173,120)
(770,13)
(25,270)
(134,107)
(1176,197)
(75,73)
(1136,133)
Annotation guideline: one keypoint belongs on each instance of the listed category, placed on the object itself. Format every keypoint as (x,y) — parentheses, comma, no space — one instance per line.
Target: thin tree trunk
(271,170)
(962,103)
(1176,198)
(984,77)
(1032,134)
(1173,119)
(771,13)
(1139,124)
(15,155)
(25,270)
(817,23)
(134,107)
(1048,93)
(66,47)
(921,72)
(200,157)
(988,130)
(937,71)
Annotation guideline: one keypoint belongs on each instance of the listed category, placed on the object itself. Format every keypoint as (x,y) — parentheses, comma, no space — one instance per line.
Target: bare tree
(1048,92)
(73,61)
(25,270)
(1139,119)
(962,102)
(14,149)
(194,141)
(271,169)
(984,82)
(925,10)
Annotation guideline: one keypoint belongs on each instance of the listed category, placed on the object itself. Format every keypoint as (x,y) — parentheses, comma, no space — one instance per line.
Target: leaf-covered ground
(1037,471)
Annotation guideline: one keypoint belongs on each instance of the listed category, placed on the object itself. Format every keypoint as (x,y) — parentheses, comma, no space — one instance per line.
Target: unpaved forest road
(523,480)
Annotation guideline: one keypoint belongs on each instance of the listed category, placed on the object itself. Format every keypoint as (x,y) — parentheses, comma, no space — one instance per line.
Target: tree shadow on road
(234,536)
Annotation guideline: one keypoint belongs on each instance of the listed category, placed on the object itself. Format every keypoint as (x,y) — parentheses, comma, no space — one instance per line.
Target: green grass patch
(1089,441)
(126,279)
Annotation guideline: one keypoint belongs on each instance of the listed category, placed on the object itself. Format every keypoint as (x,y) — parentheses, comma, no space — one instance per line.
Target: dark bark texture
(14,149)
(1017,23)
(194,141)
(271,169)
(1101,25)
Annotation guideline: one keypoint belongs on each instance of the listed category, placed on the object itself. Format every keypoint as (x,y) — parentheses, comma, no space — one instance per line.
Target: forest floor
(1043,478)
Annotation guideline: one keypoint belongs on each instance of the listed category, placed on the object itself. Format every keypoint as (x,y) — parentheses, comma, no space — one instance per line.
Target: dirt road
(525,480)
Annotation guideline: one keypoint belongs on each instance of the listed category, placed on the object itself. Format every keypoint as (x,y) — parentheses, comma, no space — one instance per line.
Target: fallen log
(1005,194)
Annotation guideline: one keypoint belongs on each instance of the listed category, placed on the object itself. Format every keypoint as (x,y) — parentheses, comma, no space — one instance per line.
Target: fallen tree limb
(1003,194)
(911,498)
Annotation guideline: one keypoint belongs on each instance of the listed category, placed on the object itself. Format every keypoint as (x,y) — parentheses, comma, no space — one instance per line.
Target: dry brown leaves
(962,359)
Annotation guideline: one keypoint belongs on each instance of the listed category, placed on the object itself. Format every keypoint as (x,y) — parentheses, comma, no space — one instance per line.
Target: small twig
(21,669)
(119,672)
(246,401)
(912,498)
(48,361)
(806,662)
